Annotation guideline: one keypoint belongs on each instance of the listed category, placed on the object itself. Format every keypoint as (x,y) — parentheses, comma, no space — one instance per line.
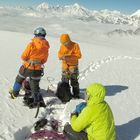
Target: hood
(64,38)
(96,93)
(39,42)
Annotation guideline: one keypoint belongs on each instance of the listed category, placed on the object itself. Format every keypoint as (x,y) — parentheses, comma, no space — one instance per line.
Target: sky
(124,6)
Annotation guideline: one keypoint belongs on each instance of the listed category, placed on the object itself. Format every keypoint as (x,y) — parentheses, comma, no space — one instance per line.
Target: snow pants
(71,75)
(34,75)
(70,134)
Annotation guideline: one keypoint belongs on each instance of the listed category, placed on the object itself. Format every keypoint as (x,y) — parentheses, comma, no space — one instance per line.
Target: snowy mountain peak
(76,5)
(43,6)
(75,11)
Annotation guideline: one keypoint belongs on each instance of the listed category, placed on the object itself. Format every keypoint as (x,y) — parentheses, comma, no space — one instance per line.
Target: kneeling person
(92,120)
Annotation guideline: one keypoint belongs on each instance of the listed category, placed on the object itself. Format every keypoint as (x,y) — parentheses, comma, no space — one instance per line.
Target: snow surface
(112,60)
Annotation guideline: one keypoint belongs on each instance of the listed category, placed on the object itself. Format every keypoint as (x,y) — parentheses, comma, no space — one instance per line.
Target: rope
(38,106)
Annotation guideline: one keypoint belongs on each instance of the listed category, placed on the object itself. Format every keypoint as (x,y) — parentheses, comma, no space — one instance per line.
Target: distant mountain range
(124,32)
(75,11)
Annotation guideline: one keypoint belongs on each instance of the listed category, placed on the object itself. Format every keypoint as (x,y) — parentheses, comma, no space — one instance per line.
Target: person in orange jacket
(34,56)
(69,54)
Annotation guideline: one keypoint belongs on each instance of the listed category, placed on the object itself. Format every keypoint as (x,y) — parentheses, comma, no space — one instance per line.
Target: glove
(80,107)
(74,113)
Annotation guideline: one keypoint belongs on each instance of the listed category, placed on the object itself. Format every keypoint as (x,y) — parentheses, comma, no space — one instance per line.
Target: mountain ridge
(75,11)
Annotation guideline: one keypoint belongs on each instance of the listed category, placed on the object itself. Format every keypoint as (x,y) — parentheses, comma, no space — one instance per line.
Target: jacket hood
(96,93)
(64,38)
(39,42)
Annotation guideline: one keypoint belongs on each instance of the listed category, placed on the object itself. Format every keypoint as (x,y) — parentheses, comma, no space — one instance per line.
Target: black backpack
(63,92)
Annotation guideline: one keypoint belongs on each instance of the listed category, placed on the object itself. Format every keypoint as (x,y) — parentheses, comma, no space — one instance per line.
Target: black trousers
(70,134)
(34,75)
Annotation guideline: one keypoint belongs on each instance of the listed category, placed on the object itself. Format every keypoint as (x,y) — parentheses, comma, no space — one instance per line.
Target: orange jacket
(37,50)
(72,54)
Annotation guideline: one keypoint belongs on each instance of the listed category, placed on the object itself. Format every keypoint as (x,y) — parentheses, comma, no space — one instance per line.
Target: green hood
(96,93)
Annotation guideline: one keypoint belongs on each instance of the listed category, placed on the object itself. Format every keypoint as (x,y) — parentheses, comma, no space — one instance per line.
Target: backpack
(63,92)
(51,133)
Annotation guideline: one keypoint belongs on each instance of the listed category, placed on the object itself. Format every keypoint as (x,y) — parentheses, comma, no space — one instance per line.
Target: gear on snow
(43,132)
(63,92)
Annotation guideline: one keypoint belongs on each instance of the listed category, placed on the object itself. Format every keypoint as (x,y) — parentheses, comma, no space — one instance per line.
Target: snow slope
(113,61)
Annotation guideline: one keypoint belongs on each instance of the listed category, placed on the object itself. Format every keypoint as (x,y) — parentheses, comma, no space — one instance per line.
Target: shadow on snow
(111,90)
(114,89)
(128,131)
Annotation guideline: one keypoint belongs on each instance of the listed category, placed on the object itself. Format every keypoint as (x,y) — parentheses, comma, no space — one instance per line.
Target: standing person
(92,120)
(34,56)
(69,54)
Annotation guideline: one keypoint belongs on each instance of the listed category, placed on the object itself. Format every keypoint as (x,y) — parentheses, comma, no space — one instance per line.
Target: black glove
(74,113)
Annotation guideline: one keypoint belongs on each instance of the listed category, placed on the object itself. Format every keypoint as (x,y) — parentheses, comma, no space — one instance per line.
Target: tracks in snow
(92,67)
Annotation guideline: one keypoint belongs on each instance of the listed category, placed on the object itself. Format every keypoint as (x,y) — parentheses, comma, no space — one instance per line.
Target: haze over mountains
(74,11)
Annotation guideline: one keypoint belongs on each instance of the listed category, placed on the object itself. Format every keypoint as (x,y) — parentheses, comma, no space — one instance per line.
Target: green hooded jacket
(96,118)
